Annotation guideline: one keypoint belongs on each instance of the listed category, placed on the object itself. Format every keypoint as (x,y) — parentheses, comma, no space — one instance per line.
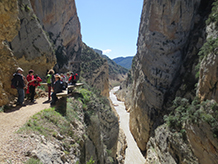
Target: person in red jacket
(31,84)
(38,80)
(73,79)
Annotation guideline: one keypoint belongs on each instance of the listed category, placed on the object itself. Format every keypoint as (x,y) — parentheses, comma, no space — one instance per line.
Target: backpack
(63,87)
(75,76)
(14,82)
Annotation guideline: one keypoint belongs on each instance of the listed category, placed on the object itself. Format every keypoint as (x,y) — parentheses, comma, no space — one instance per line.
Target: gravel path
(133,154)
(10,122)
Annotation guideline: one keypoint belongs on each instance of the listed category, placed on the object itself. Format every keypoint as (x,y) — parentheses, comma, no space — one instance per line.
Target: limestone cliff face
(31,46)
(164,31)
(9,22)
(61,22)
(9,26)
(207,85)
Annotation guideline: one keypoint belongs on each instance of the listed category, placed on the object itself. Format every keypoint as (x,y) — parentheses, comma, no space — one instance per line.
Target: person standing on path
(49,82)
(31,84)
(20,86)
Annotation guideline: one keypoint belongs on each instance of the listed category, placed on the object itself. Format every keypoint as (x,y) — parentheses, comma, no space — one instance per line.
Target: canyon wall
(164,31)
(31,47)
(9,26)
(61,23)
(177,56)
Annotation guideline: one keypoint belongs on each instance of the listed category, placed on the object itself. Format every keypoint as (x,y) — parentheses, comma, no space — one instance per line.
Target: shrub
(183,112)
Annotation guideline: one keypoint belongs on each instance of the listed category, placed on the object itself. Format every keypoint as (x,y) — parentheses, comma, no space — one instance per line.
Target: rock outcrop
(117,73)
(8,66)
(9,26)
(165,147)
(94,69)
(164,31)
(31,46)
(208,73)
(61,23)
(203,143)
(207,87)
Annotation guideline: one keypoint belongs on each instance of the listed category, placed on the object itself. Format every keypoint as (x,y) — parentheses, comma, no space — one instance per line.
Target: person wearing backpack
(19,83)
(38,80)
(73,79)
(31,84)
(58,87)
(50,82)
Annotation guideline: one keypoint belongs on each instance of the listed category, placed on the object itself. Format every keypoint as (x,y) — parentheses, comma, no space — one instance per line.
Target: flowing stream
(133,154)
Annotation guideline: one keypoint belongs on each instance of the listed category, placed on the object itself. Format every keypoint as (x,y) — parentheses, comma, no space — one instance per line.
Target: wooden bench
(43,84)
(61,105)
(76,85)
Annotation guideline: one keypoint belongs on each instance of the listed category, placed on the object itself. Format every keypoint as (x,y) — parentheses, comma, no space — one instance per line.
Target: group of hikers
(56,83)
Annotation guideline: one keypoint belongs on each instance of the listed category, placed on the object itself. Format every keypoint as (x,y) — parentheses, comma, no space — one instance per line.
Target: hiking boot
(21,105)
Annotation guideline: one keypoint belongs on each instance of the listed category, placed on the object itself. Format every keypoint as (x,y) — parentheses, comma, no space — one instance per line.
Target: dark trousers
(49,91)
(20,92)
(54,98)
(32,92)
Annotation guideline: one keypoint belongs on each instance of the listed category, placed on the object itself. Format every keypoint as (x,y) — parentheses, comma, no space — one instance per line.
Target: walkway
(12,121)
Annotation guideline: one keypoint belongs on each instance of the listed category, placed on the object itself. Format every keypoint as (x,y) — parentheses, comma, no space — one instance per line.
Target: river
(133,154)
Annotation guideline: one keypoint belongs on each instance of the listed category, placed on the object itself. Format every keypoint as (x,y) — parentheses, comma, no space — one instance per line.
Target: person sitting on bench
(58,87)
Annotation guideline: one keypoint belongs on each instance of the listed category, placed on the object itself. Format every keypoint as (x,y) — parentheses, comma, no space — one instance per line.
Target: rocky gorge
(171,89)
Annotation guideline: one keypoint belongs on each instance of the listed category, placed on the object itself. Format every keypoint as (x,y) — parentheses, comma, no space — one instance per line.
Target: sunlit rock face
(31,47)
(61,23)
(164,31)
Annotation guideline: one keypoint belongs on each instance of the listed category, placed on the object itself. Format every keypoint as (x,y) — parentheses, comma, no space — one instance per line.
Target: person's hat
(31,71)
(19,69)
(57,75)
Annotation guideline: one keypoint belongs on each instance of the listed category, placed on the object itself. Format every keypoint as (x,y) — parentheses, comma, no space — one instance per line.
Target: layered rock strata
(31,46)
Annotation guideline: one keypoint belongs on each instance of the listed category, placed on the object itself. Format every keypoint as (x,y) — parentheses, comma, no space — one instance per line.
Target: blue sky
(110,25)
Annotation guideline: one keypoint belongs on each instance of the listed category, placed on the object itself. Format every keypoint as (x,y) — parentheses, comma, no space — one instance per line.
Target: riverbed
(133,154)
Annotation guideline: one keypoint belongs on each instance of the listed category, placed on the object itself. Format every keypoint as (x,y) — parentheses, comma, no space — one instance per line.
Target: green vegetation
(196,112)
(213,17)
(33,161)
(27,8)
(47,123)
(210,46)
(91,161)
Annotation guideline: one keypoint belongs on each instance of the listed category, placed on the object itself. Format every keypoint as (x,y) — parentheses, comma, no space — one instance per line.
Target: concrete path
(133,154)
